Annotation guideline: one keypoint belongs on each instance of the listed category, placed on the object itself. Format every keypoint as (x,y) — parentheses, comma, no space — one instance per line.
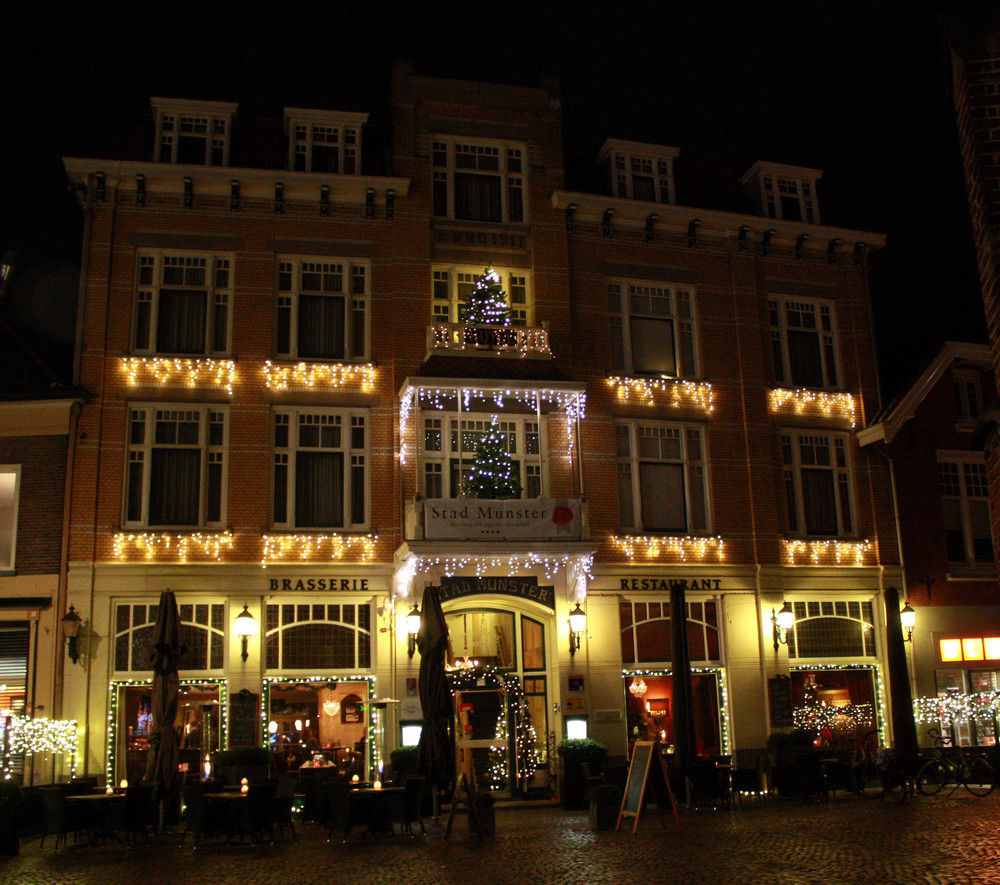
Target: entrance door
(483,738)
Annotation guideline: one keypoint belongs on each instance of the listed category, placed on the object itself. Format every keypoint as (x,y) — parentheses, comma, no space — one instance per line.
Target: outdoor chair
(57,821)
(284,796)
(342,815)
(259,809)
(413,796)
(809,779)
(200,816)
(707,784)
(138,811)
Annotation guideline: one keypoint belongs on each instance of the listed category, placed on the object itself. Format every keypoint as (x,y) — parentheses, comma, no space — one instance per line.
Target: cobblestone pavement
(939,840)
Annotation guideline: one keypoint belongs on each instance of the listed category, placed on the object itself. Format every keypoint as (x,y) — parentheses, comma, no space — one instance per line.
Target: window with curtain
(965,505)
(320,469)
(662,483)
(652,329)
(818,493)
(183,303)
(803,342)
(478,181)
(176,466)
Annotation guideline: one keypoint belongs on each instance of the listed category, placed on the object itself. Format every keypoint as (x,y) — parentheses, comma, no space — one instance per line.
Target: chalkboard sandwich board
(647,761)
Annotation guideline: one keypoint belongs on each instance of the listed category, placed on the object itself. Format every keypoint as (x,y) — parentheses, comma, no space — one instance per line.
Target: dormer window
(968,395)
(195,133)
(785,192)
(637,171)
(324,141)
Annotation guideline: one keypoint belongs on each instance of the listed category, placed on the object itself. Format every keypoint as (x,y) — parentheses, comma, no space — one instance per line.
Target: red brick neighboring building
(282,378)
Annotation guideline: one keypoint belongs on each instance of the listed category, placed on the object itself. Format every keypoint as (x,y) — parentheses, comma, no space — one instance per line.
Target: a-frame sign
(641,771)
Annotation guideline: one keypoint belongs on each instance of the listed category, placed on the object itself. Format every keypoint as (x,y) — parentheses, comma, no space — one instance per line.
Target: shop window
(832,629)
(202,633)
(317,636)
(649,713)
(483,635)
(804,342)
(10,480)
(839,705)
(645,631)
(652,329)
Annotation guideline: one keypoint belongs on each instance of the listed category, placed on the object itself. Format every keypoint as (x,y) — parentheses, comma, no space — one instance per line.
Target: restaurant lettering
(523,588)
(670,583)
(320,585)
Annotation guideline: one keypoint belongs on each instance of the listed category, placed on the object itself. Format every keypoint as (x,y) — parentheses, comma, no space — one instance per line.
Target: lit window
(951,649)
(10,479)
(652,329)
(662,483)
(183,303)
(176,466)
(451,286)
(323,309)
(479,181)
(803,342)
(447,456)
(818,493)
(320,469)
(992,645)
(193,133)
(972,649)
(966,508)
(318,636)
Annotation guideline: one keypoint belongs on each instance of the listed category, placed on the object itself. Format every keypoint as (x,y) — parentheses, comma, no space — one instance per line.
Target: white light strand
(828,552)
(678,392)
(155,545)
(306,375)
(685,546)
(482,564)
(279,548)
(842,405)
(189,372)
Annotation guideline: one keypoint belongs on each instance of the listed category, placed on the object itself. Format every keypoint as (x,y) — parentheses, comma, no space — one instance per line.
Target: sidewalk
(847,840)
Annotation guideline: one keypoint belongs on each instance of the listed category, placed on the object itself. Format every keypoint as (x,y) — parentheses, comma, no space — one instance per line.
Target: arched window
(318,636)
(645,631)
(835,628)
(202,633)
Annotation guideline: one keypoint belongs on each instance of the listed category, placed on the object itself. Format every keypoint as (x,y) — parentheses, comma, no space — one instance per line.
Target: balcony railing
(462,339)
(475,519)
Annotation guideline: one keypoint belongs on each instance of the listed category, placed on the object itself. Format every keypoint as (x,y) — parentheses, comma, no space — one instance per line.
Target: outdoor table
(99,806)
(378,807)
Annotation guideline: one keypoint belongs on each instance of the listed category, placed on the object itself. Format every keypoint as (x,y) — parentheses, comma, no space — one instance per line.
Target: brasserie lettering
(300,585)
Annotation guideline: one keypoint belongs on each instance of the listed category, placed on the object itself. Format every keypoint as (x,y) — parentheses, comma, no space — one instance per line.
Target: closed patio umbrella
(164,744)
(680,664)
(436,749)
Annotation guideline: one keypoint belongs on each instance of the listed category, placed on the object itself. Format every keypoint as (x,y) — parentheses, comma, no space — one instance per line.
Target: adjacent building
(286,398)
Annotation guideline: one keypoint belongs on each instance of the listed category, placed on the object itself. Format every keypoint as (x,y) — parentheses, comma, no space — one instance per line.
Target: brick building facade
(286,400)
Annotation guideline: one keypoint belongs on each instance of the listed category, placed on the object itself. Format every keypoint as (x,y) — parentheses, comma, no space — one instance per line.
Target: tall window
(968,395)
(10,481)
(323,309)
(966,508)
(652,329)
(176,465)
(645,631)
(803,342)
(193,133)
(318,636)
(478,181)
(183,303)
(448,455)
(203,634)
(451,287)
(817,483)
(662,485)
(320,469)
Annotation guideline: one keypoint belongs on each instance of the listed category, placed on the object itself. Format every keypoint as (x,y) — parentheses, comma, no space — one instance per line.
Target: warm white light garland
(40,735)
(189,372)
(154,545)
(482,564)
(279,548)
(675,391)
(306,375)
(800,400)
(982,707)
(685,546)
(829,552)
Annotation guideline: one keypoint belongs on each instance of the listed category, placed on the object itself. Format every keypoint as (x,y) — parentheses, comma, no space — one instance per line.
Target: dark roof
(490,367)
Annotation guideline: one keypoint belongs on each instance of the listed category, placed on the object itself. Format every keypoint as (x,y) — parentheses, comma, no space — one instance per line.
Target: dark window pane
(653,640)
(477,197)
(321,326)
(319,489)
(174,487)
(663,507)
(805,359)
(318,646)
(653,346)
(819,502)
(180,326)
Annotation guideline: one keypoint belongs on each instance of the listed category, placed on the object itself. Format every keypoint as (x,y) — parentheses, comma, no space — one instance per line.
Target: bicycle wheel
(978,777)
(931,777)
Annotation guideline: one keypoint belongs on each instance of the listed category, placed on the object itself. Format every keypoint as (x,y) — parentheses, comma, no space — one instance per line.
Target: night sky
(859,90)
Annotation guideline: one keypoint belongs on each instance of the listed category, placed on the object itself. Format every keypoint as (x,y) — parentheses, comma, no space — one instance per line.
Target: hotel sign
(522,519)
(522,588)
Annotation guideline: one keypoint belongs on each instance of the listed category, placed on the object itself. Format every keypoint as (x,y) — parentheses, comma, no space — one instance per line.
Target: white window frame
(781,309)
(150,267)
(9,525)
(450,283)
(287,443)
(692,458)
(628,164)
(139,458)
(304,135)
(800,450)
(969,483)
(324,600)
(291,268)
(208,629)
(438,441)
(512,171)
(968,395)
(212,121)
(800,190)
(630,300)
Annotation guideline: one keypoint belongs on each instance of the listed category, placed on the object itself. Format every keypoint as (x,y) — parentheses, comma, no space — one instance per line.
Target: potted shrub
(575,752)
(605,803)
(404,762)
(486,812)
(10,818)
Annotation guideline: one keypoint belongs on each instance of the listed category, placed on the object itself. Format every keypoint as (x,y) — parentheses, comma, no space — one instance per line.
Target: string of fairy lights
(674,392)
(181,371)
(115,692)
(829,552)
(179,545)
(282,548)
(464,336)
(303,376)
(981,707)
(720,676)
(686,547)
(24,735)
(800,401)
(880,698)
(481,564)
(844,719)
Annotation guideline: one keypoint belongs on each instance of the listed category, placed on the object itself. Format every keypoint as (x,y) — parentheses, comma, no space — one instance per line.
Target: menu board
(779,691)
(243,719)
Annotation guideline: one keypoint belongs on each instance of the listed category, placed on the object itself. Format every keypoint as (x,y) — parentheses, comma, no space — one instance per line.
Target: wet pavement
(935,840)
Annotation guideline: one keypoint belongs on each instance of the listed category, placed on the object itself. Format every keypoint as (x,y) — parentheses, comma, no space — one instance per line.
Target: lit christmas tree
(487,302)
(497,773)
(493,474)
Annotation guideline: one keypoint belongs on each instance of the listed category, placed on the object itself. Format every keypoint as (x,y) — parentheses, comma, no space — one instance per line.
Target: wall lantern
(908,618)
(577,627)
(781,622)
(412,629)
(71,623)
(246,626)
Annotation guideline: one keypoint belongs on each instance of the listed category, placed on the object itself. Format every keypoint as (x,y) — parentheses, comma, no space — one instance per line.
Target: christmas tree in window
(486,304)
(493,474)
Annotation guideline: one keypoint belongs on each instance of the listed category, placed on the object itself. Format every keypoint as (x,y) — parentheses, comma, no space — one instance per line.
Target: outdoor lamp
(246,626)
(412,629)
(577,625)
(71,630)
(782,621)
(908,618)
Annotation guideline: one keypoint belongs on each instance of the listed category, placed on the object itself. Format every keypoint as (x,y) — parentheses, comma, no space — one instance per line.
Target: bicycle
(959,768)
(897,777)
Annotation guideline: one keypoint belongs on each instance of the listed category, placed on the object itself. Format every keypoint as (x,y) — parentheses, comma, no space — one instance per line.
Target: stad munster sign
(522,588)
(473,519)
